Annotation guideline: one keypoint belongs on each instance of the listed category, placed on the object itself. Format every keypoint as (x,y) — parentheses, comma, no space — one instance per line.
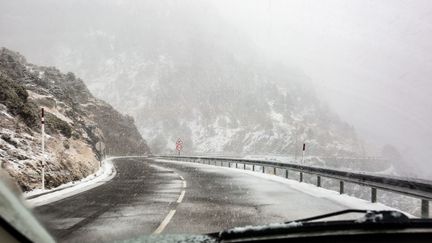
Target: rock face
(189,74)
(197,78)
(80,128)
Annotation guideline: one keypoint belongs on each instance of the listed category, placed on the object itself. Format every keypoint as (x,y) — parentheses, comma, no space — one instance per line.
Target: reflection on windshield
(13,211)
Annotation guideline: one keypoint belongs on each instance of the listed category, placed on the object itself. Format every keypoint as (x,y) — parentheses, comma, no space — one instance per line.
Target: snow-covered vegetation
(176,81)
(75,123)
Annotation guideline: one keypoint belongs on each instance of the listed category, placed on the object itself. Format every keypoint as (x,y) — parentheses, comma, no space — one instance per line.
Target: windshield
(126,118)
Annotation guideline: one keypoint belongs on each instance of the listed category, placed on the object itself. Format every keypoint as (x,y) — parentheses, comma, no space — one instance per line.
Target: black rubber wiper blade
(369,216)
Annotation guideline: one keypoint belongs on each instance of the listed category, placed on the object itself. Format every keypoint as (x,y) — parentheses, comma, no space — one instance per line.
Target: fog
(370,60)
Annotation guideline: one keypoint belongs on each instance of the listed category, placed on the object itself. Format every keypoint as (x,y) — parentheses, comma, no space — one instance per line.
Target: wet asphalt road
(175,197)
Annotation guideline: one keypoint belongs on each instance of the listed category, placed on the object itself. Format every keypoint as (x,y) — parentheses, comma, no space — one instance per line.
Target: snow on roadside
(344,199)
(39,197)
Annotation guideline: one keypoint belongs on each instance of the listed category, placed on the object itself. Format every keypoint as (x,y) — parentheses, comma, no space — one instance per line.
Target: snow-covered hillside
(237,108)
(202,81)
(182,72)
(75,123)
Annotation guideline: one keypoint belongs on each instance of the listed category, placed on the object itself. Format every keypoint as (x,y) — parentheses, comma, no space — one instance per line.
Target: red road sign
(179,144)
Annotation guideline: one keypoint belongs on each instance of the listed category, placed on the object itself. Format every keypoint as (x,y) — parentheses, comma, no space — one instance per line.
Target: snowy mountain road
(149,196)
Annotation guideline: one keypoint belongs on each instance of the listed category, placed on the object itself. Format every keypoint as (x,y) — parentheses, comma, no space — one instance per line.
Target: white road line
(168,218)
(165,222)
(180,199)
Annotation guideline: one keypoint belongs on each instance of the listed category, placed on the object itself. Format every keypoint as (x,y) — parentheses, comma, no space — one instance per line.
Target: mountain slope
(181,71)
(75,123)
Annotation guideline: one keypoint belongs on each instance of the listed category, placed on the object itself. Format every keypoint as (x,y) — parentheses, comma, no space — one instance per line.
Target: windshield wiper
(371,220)
(370,216)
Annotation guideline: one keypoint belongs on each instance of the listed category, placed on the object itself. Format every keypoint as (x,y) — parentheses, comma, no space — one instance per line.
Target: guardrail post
(373,195)
(424,208)
(341,187)
(395,185)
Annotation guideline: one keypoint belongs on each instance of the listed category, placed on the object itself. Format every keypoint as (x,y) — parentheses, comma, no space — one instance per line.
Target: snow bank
(39,197)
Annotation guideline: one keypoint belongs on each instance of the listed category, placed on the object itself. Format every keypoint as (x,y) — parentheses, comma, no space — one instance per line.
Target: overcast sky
(371,59)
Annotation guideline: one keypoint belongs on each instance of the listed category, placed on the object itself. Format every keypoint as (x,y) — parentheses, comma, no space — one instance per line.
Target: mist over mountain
(182,72)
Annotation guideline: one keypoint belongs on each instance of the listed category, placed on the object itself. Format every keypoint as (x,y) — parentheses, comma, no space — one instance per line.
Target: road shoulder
(42,197)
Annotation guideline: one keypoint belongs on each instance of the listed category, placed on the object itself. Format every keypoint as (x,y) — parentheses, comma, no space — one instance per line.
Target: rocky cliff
(80,128)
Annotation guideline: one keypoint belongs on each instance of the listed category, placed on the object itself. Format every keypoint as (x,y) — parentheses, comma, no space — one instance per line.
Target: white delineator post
(43,147)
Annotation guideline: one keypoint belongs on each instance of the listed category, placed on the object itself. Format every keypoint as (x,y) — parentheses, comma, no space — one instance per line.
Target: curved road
(148,196)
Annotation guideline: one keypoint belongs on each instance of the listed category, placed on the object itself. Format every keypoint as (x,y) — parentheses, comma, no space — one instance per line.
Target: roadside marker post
(43,146)
(303,154)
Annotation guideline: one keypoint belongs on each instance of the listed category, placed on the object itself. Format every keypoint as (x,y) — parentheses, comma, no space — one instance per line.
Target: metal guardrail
(411,187)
